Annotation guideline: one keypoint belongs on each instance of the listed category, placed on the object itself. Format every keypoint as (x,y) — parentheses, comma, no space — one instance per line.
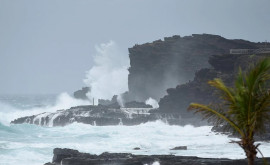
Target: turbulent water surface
(26,144)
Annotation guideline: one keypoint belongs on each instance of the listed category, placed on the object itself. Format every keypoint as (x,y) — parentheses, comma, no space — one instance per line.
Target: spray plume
(152,102)
(109,75)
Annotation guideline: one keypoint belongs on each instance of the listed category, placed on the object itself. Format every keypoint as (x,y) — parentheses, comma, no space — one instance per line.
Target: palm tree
(245,108)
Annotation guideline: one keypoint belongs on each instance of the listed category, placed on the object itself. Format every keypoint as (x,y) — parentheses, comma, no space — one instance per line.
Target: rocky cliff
(157,66)
(223,66)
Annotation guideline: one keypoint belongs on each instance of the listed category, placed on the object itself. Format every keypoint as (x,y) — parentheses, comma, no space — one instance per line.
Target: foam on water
(27,144)
(31,144)
(152,102)
(63,101)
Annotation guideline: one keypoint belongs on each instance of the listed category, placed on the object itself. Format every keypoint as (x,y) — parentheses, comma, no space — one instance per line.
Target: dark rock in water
(73,157)
(81,94)
(103,115)
(136,148)
(95,115)
(180,148)
(136,104)
(60,154)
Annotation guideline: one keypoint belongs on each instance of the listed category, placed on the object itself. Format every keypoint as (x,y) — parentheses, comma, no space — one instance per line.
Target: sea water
(26,144)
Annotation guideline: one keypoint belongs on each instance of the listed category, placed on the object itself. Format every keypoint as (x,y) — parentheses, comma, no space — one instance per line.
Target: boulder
(180,148)
(60,154)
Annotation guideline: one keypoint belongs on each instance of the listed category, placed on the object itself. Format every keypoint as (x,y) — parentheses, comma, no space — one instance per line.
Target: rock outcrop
(95,115)
(157,66)
(137,104)
(223,66)
(74,157)
(102,116)
(108,102)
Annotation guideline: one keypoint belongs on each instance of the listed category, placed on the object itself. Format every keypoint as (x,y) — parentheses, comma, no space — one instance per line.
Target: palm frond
(258,75)
(261,115)
(226,92)
(208,112)
(247,104)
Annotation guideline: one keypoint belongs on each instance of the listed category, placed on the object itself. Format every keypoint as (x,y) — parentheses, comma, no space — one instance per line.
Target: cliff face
(223,66)
(157,66)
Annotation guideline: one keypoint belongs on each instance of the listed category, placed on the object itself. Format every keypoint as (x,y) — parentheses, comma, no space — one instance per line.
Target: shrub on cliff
(245,107)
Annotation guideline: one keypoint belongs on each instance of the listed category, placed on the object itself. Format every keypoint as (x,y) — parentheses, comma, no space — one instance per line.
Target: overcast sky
(46,46)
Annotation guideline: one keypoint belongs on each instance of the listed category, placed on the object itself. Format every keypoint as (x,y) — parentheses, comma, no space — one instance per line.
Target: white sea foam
(38,118)
(152,138)
(156,163)
(152,102)
(26,144)
(63,101)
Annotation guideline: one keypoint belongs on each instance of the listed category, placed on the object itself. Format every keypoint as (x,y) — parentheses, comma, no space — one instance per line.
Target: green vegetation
(245,108)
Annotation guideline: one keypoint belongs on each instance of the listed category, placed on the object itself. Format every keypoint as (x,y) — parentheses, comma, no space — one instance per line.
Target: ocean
(26,144)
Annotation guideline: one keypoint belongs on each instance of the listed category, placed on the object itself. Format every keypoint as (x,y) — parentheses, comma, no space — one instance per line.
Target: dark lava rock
(60,154)
(99,116)
(114,105)
(224,67)
(180,148)
(73,157)
(136,104)
(95,115)
(113,101)
(157,66)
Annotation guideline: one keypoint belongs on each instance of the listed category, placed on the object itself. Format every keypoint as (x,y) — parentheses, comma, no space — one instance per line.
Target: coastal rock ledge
(74,157)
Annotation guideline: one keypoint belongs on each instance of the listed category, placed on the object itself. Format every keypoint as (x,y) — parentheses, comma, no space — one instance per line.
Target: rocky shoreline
(205,57)
(101,115)
(74,157)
